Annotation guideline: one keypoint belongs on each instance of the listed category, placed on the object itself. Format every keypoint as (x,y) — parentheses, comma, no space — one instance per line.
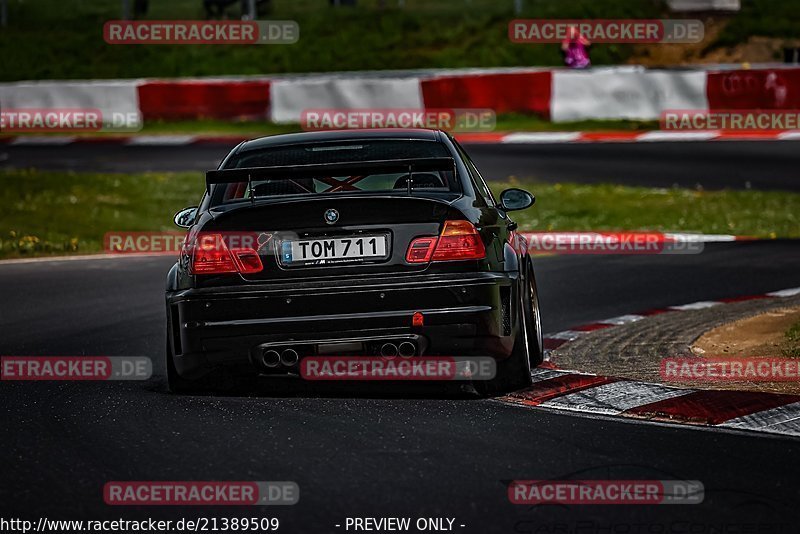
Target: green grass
(54,39)
(513,122)
(791,346)
(55,213)
(570,206)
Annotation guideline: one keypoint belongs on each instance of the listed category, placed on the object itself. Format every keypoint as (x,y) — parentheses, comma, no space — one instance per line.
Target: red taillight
(421,250)
(212,256)
(247,260)
(459,241)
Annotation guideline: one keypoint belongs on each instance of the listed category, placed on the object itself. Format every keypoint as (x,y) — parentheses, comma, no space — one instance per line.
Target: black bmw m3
(377,243)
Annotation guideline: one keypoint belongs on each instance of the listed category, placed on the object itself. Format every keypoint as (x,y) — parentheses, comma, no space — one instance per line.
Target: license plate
(333,250)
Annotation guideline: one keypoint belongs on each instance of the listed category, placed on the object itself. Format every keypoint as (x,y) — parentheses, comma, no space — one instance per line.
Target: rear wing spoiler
(248,174)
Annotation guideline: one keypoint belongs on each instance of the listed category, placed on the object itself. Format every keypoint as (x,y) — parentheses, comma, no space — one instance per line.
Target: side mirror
(516,199)
(185,217)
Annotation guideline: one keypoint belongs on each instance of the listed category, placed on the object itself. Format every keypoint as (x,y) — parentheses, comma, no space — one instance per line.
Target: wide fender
(172,278)
(510,259)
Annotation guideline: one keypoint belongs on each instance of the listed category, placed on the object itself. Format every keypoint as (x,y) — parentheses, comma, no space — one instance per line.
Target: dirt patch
(754,50)
(762,335)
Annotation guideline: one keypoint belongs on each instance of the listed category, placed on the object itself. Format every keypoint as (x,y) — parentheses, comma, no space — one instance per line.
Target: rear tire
(535,342)
(175,383)
(514,372)
(224,381)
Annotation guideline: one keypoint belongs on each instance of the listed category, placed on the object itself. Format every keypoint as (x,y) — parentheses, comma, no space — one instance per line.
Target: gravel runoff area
(635,350)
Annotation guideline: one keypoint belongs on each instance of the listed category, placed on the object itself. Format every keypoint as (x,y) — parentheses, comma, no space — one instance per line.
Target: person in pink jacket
(575,49)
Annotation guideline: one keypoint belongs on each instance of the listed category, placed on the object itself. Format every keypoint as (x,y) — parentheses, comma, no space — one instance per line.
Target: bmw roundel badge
(331,216)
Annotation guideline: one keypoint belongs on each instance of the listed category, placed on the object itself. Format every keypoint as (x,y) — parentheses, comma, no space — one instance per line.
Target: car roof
(414,134)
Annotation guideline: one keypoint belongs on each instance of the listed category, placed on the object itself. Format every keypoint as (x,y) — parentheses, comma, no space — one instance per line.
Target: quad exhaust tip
(388,349)
(270,358)
(407,349)
(289,357)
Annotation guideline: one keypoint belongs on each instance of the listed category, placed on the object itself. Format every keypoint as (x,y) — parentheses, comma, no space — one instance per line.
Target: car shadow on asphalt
(299,388)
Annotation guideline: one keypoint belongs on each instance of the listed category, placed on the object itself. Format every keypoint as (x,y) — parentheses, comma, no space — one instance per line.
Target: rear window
(341,152)
(435,183)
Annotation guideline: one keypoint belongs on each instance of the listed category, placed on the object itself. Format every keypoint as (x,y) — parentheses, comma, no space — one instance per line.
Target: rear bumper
(464,315)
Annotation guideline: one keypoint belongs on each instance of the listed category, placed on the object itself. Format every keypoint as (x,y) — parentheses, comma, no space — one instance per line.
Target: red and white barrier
(754,89)
(520,92)
(291,97)
(113,98)
(558,94)
(216,99)
(625,93)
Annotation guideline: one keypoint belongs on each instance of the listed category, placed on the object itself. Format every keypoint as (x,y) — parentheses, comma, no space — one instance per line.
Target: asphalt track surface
(422,454)
(709,164)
